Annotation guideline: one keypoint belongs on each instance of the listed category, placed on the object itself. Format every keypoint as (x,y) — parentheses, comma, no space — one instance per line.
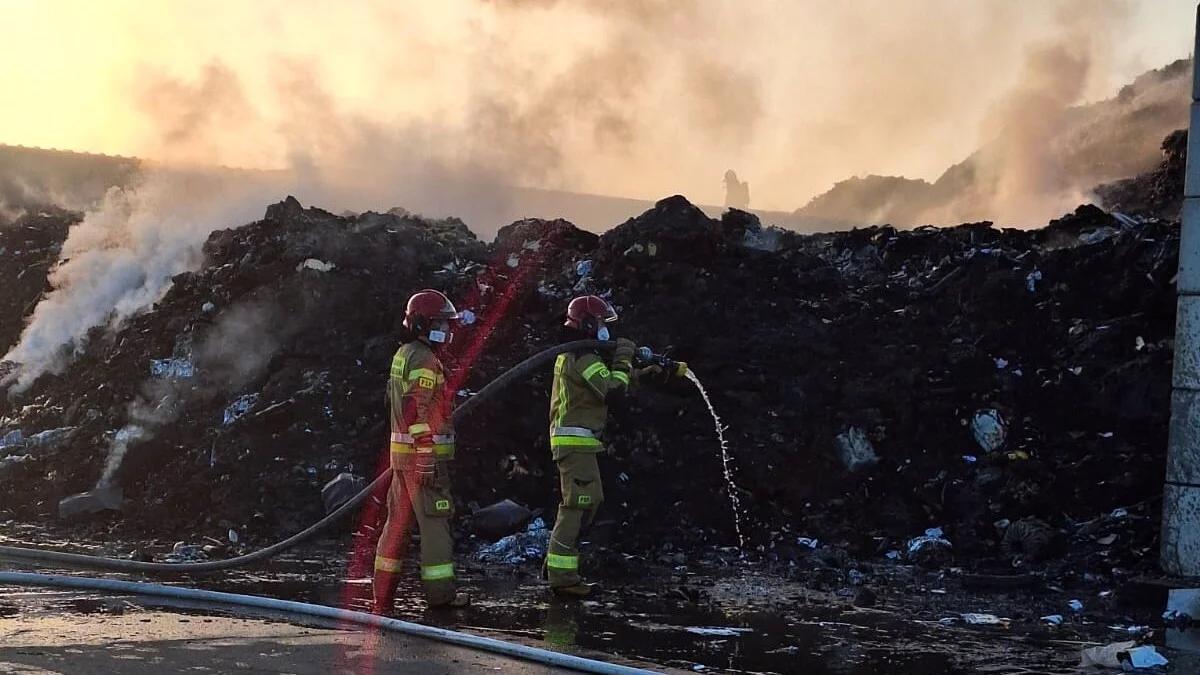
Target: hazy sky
(635,99)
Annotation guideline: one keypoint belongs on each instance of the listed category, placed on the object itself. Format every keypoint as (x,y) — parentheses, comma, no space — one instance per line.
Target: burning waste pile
(1003,392)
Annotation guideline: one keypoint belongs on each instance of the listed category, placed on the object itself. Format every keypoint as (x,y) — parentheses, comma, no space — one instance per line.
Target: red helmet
(589,312)
(427,307)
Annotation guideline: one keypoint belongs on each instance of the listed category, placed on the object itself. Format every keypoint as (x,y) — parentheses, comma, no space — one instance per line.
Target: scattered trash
(1118,514)
(1032,279)
(315,265)
(1132,630)
(988,428)
(12,439)
(174,369)
(1122,655)
(1053,619)
(500,519)
(233,536)
(985,620)
(208,308)
(1107,540)
(339,490)
(1075,605)
(970,459)
(1001,363)
(929,549)
(805,541)
(240,406)
(855,449)
(717,631)
(518,548)
(892,555)
(583,268)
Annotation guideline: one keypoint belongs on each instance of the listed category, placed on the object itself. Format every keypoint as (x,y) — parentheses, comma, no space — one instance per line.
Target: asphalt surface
(49,632)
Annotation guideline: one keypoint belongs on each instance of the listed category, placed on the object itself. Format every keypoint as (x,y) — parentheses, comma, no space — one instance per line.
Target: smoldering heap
(876,382)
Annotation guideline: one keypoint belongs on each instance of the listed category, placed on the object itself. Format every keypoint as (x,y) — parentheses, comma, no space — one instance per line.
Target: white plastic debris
(1132,630)
(1123,655)
(12,439)
(985,619)
(174,369)
(240,406)
(1001,363)
(208,308)
(892,555)
(1139,343)
(315,265)
(1032,279)
(1146,656)
(1053,619)
(935,532)
(970,459)
(1075,605)
(1119,513)
(514,260)
(989,430)
(233,536)
(855,449)
(583,268)
(717,631)
(806,541)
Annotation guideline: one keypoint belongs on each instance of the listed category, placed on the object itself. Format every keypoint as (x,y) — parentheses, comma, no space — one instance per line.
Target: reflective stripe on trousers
(562,562)
(437,572)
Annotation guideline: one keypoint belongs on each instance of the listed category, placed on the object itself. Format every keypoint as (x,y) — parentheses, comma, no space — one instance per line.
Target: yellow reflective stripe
(422,372)
(561,387)
(439,449)
(422,428)
(597,367)
(437,572)
(383,564)
(622,377)
(562,562)
(574,441)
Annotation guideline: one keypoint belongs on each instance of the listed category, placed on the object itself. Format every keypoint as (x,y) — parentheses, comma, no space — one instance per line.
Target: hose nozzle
(646,356)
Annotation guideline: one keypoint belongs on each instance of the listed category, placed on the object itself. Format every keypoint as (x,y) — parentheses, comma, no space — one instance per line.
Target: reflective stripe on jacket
(578,402)
(419,403)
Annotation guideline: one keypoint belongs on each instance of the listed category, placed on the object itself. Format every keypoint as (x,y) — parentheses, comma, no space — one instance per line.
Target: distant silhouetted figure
(737,193)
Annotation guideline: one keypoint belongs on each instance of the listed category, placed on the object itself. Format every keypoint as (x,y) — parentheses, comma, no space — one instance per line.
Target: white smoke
(120,260)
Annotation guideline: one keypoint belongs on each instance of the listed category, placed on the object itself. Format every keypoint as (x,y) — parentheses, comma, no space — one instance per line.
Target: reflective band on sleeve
(437,572)
(415,429)
(383,564)
(623,377)
(572,431)
(562,562)
(438,439)
(574,441)
(595,368)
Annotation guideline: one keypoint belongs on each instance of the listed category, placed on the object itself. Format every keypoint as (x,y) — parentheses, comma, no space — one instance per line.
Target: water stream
(726,464)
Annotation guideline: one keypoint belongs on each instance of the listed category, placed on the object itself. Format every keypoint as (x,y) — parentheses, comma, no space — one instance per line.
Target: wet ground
(735,617)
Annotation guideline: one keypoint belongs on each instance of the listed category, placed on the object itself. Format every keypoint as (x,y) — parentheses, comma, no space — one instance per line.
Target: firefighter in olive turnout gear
(422,445)
(584,384)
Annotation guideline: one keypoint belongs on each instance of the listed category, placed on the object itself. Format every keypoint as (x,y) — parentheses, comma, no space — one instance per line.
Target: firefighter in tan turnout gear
(422,445)
(584,384)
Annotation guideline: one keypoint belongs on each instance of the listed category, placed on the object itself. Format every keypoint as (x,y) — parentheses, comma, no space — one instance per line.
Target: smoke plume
(444,107)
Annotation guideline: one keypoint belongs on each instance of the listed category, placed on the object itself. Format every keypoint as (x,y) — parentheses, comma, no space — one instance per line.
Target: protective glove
(680,369)
(623,354)
(426,469)
(648,372)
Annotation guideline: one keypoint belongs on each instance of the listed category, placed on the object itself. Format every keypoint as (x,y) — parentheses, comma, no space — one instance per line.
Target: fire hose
(543,656)
(76,560)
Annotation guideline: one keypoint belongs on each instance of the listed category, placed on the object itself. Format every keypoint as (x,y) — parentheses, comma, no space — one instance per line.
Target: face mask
(439,336)
(602,333)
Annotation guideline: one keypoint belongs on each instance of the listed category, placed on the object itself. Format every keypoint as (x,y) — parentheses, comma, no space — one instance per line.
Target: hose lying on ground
(380,483)
(519,651)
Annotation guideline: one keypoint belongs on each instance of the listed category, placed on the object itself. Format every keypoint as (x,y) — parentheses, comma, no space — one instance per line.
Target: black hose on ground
(33,555)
